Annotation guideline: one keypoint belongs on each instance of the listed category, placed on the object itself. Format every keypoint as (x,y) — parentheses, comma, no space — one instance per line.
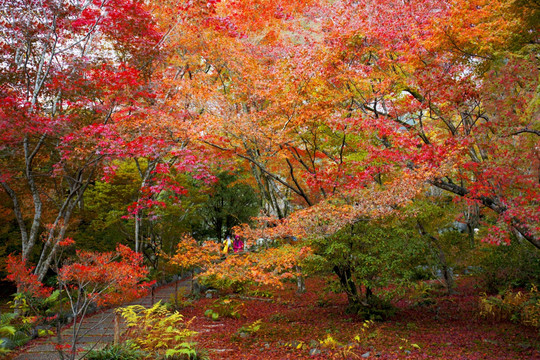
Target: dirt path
(98,329)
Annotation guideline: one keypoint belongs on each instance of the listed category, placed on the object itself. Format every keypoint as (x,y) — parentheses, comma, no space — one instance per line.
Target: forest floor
(281,324)
(284,325)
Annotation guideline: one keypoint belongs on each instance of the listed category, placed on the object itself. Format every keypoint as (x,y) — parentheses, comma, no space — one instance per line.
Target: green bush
(224,284)
(116,352)
(423,294)
(374,308)
(366,258)
(196,353)
(508,266)
(15,331)
(225,308)
(10,337)
(159,331)
(211,314)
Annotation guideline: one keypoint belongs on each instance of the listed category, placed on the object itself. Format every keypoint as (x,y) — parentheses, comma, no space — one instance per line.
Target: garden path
(98,329)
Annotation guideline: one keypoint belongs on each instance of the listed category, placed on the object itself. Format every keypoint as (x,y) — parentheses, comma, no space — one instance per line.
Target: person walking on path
(228,245)
(238,244)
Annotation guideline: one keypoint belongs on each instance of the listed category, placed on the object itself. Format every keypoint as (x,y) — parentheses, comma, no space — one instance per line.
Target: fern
(159,330)
(14,336)
(115,352)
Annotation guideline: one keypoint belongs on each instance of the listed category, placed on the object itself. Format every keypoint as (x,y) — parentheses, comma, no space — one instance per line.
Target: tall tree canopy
(342,110)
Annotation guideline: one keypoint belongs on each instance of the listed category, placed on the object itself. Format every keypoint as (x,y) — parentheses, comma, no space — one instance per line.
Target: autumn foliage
(372,129)
(190,255)
(26,281)
(109,278)
(268,267)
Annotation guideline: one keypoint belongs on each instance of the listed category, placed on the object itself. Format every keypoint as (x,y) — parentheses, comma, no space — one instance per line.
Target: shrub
(260,293)
(159,331)
(228,308)
(10,335)
(33,310)
(211,314)
(423,294)
(224,284)
(518,307)
(16,329)
(500,267)
(196,354)
(181,300)
(251,328)
(377,309)
(115,352)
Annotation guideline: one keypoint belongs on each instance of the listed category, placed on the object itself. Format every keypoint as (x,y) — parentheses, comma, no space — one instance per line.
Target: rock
(314,352)
(244,335)
(6,343)
(211,293)
(40,328)
(197,288)
(366,355)
(313,343)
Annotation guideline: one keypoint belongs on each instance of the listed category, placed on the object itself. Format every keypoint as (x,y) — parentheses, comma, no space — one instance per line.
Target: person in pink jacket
(238,244)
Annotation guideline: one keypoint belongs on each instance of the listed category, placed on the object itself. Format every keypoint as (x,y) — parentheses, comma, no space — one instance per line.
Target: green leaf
(43,332)
(7,330)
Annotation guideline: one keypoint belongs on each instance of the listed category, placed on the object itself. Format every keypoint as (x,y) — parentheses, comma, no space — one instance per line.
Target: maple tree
(104,279)
(80,83)
(107,278)
(269,267)
(343,111)
(69,69)
(388,97)
(347,110)
(90,279)
(423,85)
(26,281)
(189,255)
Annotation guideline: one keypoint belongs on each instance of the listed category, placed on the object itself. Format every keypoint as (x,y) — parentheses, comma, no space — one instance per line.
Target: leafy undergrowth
(315,325)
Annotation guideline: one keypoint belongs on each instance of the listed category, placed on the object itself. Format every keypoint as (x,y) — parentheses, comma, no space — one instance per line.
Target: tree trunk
(300,282)
(348,285)
(446,271)
(137,230)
